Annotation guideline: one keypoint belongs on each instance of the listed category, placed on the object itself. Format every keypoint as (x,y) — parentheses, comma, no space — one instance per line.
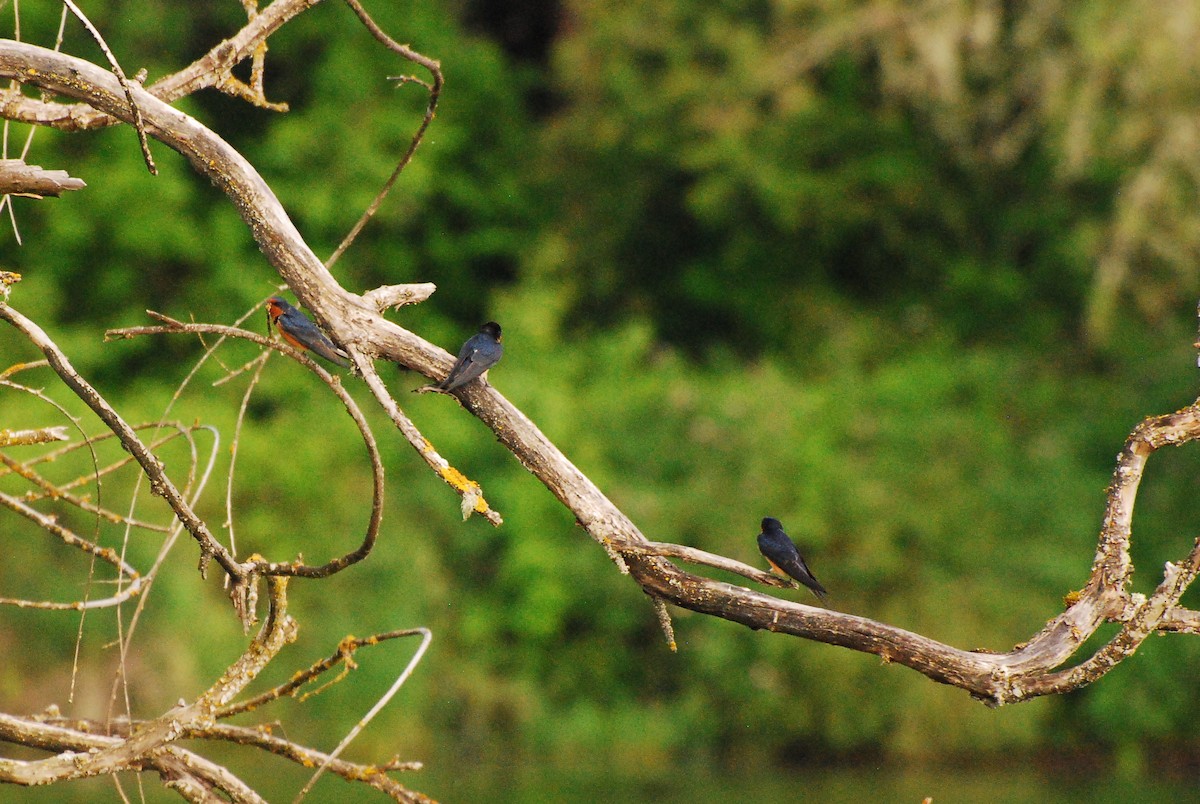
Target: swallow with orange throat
(298,330)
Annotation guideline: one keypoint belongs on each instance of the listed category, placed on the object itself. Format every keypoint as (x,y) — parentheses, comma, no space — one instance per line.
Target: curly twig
(160,483)
(296,567)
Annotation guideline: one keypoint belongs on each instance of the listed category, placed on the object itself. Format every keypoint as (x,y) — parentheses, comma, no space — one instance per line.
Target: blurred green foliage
(745,266)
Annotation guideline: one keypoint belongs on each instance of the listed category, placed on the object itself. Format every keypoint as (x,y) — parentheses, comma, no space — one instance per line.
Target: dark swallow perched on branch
(481,351)
(784,558)
(299,331)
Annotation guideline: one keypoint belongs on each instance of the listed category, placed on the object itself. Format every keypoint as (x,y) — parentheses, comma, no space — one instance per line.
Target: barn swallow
(481,351)
(784,558)
(299,331)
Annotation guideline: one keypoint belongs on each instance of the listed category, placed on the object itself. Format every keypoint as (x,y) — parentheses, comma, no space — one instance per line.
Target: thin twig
(345,650)
(426,637)
(260,363)
(51,491)
(160,483)
(468,489)
(141,746)
(138,124)
(107,554)
(435,91)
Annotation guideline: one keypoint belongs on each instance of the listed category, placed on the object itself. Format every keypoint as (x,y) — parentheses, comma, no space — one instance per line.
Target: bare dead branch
(1180,621)
(253,92)
(199,779)
(345,650)
(1145,619)
(469,490)
(373,775)
(141,747)
(53,733)
(395,296)
(84,738)
(33,181)
(703,558)
(354,324)
(50,490)
(664,622)
(215,67)
(426,637)
(179,431)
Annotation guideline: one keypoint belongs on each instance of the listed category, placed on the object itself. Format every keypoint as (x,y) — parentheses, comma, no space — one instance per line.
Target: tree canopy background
(902,275)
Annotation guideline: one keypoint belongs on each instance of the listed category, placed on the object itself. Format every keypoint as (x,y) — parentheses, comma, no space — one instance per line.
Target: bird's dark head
(771,523)
(491,328)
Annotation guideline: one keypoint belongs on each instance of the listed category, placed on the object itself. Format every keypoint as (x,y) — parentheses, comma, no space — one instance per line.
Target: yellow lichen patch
(1071,598)
(464,485)
(457,479)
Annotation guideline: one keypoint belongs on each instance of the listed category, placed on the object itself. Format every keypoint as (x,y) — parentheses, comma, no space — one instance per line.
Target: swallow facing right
(299,331)
(481,351)
(784,558)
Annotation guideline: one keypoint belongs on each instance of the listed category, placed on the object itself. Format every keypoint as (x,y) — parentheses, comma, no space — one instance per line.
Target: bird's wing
(300,331)
(329,350)
(467,367)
